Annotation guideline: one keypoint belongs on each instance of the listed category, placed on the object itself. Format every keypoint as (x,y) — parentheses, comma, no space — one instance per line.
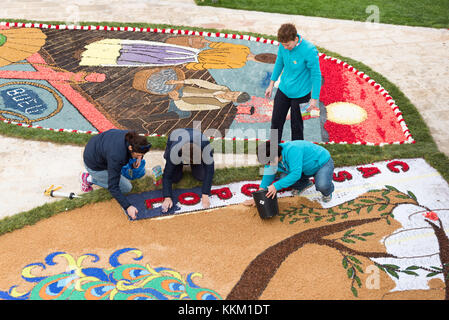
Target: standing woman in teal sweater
(299,64)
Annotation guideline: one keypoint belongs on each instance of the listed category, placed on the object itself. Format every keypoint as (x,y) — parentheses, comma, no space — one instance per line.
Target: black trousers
(281,105)
(198,172)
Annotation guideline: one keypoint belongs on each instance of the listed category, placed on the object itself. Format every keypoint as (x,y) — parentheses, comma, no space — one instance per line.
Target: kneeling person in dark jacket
(187,147)
(104,157)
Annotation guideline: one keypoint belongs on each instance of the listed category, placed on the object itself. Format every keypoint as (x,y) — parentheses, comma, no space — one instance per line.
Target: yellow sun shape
(346,113)
(19,43)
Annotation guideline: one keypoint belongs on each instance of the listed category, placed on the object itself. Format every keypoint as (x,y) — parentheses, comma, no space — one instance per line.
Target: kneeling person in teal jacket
(296,161)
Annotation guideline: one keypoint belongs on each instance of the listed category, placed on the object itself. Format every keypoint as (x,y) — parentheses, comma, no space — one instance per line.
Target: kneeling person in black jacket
(104,156)
(187,147)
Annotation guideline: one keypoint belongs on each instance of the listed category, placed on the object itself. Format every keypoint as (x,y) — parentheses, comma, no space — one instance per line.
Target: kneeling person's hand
(167,204)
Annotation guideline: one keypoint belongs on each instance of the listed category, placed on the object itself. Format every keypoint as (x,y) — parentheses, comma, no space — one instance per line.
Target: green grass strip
(424,13)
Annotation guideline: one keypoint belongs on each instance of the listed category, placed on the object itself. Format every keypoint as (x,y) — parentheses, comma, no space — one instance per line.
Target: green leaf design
(347,233)
(2,39)
(345,263)
(392,188)
(391,266)
(393,273)
(355,259)
(350,272)
(437,268)
(354,292)
(367,234)
(358,268)
(412,195)
(432,274)
(367,200)
(359,282)
(374,201)
(413,268)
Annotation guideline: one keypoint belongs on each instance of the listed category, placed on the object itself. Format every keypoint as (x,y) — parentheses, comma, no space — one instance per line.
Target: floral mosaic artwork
(187,200)
(415,254)
(384,235)
(91,79)
(116,282)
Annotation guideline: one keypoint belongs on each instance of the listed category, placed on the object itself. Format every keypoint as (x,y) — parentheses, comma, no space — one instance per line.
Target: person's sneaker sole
(85,186)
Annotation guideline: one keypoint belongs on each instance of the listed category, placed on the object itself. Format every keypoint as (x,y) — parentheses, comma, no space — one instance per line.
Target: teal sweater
(298,156)
(300,69)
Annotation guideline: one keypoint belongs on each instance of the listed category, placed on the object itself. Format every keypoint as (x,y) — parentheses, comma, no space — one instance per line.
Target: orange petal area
(24,33)
(19,47)
(4,62)
(20,44)
(28,42)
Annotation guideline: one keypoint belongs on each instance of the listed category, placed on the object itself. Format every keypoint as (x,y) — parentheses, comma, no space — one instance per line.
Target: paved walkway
(415,59)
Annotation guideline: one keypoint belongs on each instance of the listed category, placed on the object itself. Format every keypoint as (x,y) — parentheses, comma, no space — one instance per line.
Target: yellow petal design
(346,113)
(20,44)
(101,53)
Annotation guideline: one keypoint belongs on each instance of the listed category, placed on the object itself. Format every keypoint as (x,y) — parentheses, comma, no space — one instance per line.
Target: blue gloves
(128,171)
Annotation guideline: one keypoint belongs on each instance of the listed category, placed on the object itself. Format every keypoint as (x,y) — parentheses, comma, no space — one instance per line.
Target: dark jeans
(198,172)
(281,105)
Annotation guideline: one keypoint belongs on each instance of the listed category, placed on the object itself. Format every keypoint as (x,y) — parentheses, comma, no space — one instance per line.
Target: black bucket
(267,207)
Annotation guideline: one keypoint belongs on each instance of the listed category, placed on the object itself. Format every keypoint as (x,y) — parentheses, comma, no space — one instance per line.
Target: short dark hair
(287,32)
(265,154)
(138,143)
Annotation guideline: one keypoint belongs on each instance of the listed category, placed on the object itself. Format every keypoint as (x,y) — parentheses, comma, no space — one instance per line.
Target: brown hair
(287,32)
(137,142)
